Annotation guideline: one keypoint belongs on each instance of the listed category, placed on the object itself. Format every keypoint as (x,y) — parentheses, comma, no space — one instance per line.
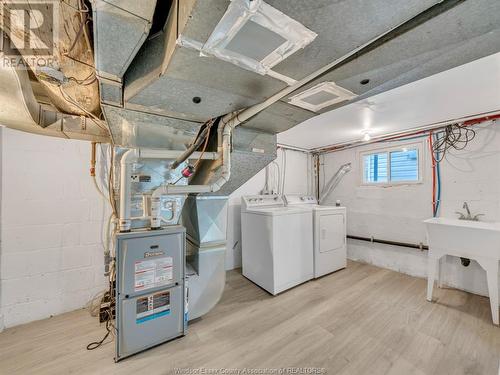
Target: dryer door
(331,232)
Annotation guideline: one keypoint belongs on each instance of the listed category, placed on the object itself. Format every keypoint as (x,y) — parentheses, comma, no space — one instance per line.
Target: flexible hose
(433,166)
(194,146)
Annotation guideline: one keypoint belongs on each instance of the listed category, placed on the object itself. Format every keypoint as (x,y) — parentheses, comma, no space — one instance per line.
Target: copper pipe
(93,159)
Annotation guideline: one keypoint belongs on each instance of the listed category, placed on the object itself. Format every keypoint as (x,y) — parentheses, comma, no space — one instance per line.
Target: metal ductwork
(133,129)
(20,110)
(251,151)
(167,75)
(151,57)
(206,282)
(120,29)
(205,219)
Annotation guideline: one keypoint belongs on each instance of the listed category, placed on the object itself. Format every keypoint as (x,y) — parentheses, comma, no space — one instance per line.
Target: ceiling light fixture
(366,136)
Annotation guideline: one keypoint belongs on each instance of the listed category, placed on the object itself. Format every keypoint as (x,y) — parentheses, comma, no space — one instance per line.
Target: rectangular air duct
(256,36)
(320,96)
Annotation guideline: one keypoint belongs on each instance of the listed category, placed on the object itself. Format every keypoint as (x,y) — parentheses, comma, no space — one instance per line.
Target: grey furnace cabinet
(150,288)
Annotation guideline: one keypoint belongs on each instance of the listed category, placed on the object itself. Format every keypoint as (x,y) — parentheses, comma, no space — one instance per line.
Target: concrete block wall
(51,255)
(298,180)
(396,213)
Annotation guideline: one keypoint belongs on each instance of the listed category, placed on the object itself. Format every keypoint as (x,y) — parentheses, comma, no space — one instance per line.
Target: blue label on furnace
(152,317)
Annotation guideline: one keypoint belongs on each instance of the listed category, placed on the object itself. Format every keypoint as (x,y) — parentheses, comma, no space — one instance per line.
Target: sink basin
(468,239)
(465,238)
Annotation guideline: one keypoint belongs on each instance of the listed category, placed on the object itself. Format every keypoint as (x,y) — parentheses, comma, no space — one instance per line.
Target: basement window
(320,96)
(392,166)
(256,36)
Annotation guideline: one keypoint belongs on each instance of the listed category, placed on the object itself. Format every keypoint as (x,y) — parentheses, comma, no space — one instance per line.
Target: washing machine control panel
(293,199)
(254,201)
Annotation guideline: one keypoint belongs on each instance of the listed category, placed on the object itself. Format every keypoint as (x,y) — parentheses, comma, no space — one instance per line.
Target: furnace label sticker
(152,273)
(152,307)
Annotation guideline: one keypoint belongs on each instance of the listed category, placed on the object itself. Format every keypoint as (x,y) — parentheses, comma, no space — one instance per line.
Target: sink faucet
(469,216)
(466,207)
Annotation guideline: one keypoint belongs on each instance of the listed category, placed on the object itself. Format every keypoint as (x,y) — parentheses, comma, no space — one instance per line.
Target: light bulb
(367,137)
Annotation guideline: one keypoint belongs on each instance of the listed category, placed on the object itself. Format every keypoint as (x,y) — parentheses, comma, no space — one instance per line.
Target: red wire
(433,161)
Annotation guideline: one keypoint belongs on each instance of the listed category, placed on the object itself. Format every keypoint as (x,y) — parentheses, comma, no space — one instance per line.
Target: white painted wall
(51,255)
(396,213)
(298,179)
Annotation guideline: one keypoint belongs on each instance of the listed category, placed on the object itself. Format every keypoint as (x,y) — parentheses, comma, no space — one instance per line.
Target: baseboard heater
(419,246)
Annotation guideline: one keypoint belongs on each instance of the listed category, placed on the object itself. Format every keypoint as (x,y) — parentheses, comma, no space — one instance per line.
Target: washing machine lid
(278,211)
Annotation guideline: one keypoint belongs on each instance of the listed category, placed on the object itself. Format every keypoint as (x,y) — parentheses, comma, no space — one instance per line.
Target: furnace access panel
(150,294)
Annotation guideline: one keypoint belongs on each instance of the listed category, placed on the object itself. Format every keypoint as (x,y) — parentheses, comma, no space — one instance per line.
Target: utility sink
(467,239)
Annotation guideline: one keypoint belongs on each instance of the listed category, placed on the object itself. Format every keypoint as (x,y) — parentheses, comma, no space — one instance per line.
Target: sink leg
(491,268)
(432,268)
(492,275)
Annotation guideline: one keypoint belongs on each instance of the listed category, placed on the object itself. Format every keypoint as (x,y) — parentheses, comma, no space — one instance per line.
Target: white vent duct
(334,181)
(320,96)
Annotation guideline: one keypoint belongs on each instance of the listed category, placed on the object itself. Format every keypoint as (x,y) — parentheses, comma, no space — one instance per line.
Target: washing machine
(277,243)
(329,233)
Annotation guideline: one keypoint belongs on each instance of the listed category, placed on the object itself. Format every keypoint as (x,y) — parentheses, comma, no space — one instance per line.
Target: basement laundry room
(232,187)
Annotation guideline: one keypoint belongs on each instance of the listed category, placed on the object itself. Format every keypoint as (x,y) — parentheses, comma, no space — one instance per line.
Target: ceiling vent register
(256,36)
(321,96)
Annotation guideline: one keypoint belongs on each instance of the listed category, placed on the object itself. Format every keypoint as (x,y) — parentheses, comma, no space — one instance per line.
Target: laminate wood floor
(361,320)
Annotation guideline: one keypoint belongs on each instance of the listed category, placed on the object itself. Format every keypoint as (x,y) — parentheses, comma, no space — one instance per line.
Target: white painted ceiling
(467,90)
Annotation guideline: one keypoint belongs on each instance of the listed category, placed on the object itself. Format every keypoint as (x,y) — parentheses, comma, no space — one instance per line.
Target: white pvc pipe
(133,155)
(128,158)
(186,189)
(172,154)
